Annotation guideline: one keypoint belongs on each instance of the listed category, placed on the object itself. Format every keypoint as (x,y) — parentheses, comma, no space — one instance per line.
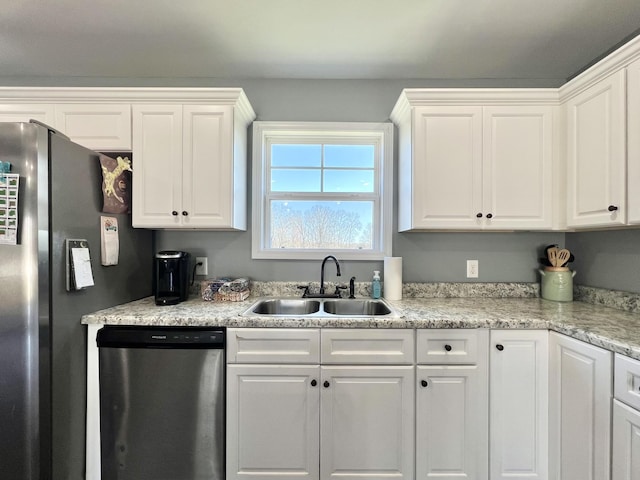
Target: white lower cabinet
(626,420)
(367,422)
(452,405)
(580,392)
(309,421)
(626,443)
(518,408)
(273,421)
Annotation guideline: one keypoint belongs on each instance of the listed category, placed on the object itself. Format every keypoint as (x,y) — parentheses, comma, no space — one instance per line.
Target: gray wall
(607,259)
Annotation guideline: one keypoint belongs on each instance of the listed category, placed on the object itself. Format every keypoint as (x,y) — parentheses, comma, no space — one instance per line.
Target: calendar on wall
(9,208)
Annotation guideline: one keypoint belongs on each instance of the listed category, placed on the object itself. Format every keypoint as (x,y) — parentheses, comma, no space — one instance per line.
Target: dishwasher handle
(161,337)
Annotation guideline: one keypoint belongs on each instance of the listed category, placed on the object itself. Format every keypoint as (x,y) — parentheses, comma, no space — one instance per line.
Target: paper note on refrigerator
(82,274)
(9,208)
(110,245)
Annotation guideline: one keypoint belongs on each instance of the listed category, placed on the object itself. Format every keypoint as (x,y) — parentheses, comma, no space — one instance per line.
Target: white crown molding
(480,96)
(421,97)
(618,59)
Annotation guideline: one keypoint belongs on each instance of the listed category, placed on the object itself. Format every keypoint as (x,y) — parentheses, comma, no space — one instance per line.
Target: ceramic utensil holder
(557,284)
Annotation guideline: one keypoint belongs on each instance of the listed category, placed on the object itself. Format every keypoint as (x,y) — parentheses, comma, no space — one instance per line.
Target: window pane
(296,155)
(349,156)
(348,181)
(321,225)
(287,180)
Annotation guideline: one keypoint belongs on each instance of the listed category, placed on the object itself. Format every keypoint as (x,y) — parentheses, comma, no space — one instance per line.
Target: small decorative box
(225,289)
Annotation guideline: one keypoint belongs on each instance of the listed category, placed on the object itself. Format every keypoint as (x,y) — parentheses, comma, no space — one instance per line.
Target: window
(322,188)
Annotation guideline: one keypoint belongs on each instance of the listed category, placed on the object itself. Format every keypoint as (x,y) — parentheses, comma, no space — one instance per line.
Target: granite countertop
(606,327)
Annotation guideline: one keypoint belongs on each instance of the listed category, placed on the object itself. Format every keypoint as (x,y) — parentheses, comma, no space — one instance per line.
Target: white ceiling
(353,39)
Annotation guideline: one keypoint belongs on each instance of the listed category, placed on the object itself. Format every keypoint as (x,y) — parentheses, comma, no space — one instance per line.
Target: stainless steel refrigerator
(42,343)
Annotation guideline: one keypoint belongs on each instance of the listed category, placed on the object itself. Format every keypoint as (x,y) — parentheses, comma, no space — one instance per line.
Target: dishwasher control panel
(160,337)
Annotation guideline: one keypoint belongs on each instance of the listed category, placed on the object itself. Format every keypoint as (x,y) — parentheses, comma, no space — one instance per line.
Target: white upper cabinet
(487,165)
(444,172)
(96,126)
(190,165)
(633,142)
(517,170)
(11,112)
(596,154)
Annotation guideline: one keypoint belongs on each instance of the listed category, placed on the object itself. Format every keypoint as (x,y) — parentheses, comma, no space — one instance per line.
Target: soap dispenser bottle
(376,287)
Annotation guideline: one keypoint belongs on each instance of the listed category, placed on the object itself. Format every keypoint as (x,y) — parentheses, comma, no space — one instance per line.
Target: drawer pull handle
(612,208)
(314,382)
(447,348)
(185,213)
(326,384)
(174,213)
(424,383)
(489,215)
(478,215)
(500,347)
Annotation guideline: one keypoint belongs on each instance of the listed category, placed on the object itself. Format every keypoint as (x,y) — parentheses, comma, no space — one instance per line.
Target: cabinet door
(447,167)
(157,166)
(626,443)
(596,154)
(24,113)
(518,160)
(272,422)
(518,408)
(580,409)
(633,141)
(96,126)
(208,166)
(367,422)
(452,422)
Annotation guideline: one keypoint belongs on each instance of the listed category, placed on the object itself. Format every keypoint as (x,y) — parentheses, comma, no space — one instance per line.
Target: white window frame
(266,133)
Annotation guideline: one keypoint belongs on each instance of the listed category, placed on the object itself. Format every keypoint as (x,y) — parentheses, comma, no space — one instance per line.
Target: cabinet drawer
(627,381)
(358,346)
(273,345)
(447,346)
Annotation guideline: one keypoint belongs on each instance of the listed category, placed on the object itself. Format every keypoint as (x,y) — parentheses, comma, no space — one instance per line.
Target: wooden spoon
(552,254)
(562,257)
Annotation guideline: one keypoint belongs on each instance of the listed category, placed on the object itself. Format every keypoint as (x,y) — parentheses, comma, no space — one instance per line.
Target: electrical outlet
(472,268)
(202,269)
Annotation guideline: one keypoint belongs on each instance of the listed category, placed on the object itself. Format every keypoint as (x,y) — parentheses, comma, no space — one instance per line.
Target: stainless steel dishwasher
(162,409)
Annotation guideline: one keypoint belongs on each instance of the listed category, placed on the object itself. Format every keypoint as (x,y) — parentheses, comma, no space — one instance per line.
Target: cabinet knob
(447,348)
(612,208)
(326,384)
(314,382)
(174,213)
(478,215)
(500,347)
(489,215)
(424,383)
(184,213)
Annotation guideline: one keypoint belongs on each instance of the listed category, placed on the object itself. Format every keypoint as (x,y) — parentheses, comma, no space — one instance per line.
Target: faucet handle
(306,290)
(338,288)
(352,288)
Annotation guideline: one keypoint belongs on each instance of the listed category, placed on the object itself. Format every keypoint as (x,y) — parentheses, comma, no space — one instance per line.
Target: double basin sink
(320,307)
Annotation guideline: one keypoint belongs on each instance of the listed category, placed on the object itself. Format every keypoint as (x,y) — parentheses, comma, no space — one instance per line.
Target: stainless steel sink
(356,307)
(327,308)
(285,306)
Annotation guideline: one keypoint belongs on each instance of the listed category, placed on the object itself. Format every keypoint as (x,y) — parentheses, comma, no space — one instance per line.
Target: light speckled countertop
(612,329)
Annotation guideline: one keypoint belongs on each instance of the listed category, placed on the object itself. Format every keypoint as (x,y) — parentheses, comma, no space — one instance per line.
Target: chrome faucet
(322,271)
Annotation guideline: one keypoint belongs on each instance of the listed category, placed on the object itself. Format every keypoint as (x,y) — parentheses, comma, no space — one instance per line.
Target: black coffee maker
(171,277)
